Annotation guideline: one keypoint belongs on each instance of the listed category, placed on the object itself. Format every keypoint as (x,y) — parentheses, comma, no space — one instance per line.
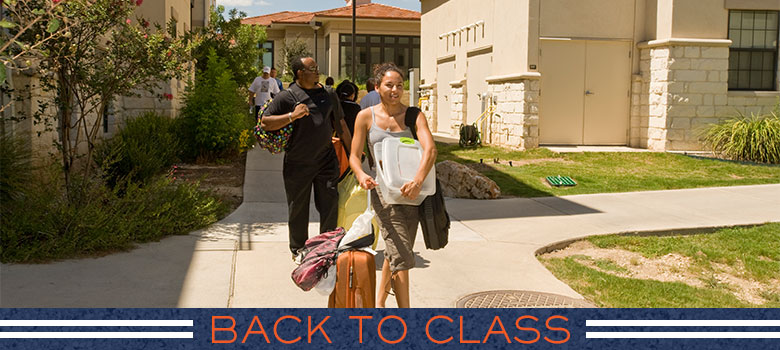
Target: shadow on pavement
(473,209)
(151,275)
(419,261)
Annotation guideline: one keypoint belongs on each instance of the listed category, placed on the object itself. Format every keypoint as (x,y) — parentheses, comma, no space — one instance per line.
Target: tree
(237,44)
(101,55)
(41,22)
(215,113)
(292,49)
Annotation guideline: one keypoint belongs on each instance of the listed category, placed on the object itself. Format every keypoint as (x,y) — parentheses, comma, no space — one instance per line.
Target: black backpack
(434,220)
(469,136)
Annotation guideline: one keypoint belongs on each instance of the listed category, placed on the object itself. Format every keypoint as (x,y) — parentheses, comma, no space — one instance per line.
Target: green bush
(15,166)
(238,44)
(754,138)
(215,113)
(42,226)
(144,147)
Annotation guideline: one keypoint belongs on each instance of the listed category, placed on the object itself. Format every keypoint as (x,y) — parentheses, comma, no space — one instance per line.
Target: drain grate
(520,299)
(560,181)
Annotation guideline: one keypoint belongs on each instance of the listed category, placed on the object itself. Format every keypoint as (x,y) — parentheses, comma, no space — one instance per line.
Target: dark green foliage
(215,113)
(753,139)
(144,147)
(44,225)
(15,167)
(234,42)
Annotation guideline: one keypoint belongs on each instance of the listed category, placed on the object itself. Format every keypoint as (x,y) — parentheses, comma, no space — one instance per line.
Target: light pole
(354,54)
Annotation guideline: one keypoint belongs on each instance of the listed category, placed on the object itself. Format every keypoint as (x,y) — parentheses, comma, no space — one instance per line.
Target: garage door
(585,92)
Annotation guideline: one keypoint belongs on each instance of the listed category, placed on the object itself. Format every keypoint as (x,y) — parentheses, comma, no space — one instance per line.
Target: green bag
(352,203)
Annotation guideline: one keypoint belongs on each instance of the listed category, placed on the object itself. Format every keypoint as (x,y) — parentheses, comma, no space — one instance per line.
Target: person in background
(398,223)
(372,98)
(278,82)
(329,82)
(262,89)
(347,92)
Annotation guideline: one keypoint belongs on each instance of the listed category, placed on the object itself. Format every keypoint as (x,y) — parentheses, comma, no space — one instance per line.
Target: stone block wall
(748,103)
(515,123)
(132,106)
(457,107)
(428,106)
(682,89)
(639,112)
(39,135)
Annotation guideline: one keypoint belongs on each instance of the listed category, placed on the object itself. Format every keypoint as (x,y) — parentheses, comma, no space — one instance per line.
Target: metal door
(585,92)
(478,69)
(607,83)
(563,81)
(445,73)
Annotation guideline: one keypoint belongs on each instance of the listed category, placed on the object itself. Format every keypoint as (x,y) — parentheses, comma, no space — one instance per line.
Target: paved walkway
(243,260)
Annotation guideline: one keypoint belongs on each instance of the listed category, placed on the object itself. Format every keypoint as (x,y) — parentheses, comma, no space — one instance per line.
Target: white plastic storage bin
(398,160)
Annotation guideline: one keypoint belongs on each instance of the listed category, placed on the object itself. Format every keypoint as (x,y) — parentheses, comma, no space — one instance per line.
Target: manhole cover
(520,299)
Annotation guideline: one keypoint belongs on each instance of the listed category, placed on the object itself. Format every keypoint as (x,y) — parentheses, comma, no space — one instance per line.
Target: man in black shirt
(310,160)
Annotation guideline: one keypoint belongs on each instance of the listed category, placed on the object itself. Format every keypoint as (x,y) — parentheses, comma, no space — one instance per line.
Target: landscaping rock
(460,181)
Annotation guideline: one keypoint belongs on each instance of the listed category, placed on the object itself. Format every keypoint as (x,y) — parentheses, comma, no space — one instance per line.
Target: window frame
(754,50)
(270,51)
(366,44)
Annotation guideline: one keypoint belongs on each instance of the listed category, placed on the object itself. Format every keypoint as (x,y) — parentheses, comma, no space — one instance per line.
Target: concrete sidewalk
(243,261)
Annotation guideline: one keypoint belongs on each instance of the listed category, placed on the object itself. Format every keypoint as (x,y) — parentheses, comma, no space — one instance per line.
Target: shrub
(15,166)
(42,226)
(144,147)
(754,138)
(215,113)
(233,41)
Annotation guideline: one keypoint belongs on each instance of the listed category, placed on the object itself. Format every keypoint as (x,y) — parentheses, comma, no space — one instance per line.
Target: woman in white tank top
(398,223)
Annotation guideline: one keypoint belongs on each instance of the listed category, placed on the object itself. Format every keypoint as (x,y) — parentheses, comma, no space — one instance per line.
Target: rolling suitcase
(355,281)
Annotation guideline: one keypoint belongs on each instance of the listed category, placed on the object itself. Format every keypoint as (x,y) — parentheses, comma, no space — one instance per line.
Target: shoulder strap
(368,144)
(297,93)
(411,120)
(337,113)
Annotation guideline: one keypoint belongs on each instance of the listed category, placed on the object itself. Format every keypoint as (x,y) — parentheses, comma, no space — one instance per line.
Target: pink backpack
(319,254)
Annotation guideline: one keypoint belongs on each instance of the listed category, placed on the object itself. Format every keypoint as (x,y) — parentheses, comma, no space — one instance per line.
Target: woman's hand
(366,181)
(411,190)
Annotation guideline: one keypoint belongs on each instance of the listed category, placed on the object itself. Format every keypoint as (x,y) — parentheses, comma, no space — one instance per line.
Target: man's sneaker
(297,258)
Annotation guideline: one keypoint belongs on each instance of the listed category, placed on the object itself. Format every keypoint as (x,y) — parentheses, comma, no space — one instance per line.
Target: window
(753,52)
(326,61)
(268,53)
(404,51)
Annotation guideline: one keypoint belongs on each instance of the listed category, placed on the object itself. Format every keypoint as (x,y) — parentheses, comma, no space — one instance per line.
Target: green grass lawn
(755,252)
(604,172)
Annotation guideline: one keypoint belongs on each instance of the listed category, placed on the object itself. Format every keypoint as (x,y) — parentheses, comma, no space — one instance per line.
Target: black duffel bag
(434,220)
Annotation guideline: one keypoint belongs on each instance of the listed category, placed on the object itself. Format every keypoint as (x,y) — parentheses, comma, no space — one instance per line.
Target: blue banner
(389,328)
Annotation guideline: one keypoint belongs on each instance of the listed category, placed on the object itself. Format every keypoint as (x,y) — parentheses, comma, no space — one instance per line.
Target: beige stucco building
(383,34)
(642,73)
(188,14)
